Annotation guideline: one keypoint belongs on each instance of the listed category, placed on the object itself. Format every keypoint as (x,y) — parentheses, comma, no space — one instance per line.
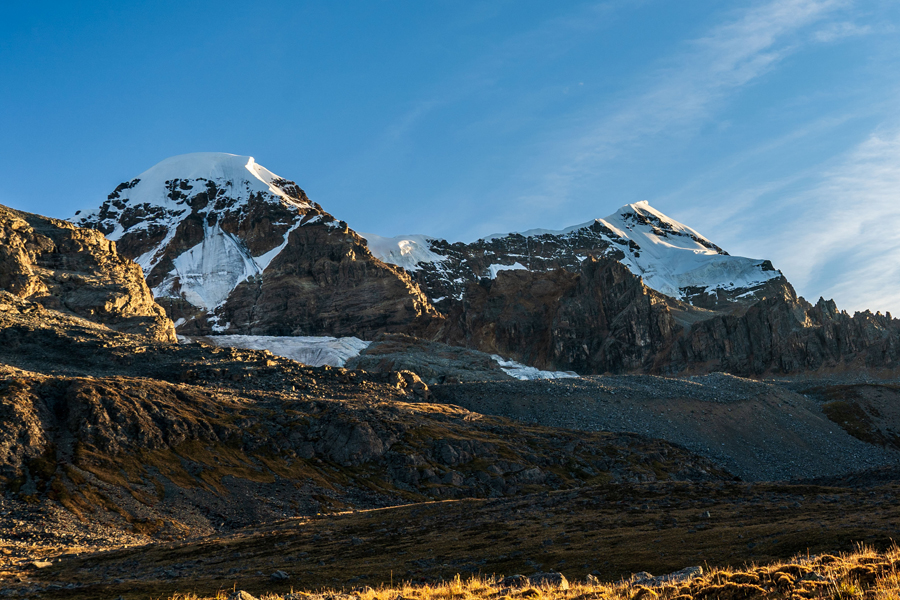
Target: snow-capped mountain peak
(671,257)
(205,198)
(241,173)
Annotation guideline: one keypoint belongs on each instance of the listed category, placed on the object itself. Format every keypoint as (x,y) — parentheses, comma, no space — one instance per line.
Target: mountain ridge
(235,249)
(671,257)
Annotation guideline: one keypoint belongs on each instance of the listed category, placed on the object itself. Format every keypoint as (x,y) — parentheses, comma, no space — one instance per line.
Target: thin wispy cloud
(844,238)
(731,55)
(837,31)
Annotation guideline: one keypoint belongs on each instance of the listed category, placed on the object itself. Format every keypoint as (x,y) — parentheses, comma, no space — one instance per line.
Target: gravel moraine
(756,430)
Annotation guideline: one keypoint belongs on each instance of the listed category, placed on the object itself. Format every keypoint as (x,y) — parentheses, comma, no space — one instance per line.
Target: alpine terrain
(210,387)
(230,249)
(671,258)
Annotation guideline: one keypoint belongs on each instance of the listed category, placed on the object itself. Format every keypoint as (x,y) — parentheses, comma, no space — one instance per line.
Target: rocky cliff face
(788,335)
(75,270)
(599,319)
(603,319)
(229,247)
(672,259)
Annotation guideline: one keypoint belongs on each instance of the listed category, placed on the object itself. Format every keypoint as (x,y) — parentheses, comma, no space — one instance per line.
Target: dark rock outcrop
(604,319)
(324,282)
(601,319)
(788,335)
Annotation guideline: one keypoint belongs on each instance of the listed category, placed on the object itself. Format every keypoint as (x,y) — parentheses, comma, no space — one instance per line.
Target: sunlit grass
(864,574)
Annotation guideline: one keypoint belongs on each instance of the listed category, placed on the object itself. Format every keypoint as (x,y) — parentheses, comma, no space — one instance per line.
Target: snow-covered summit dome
(210,200)
(229,169)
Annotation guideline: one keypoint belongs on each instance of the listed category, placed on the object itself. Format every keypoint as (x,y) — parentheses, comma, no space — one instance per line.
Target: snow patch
(405,251)
(494,269)
(524,372)
(314,351)
(207,273)
(262,261)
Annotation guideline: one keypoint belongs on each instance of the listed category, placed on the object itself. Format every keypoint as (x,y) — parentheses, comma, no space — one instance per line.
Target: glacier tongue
(314,351)
(525,373)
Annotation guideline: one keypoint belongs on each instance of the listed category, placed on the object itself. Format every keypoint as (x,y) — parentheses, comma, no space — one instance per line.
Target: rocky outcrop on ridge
(229,247)
(789,335)
(604,320)
(78,271)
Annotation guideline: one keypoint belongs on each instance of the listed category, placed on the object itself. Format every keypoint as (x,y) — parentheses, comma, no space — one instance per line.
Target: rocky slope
(229,247)
(758,431)
(672,258)
(76,271)
(168,440)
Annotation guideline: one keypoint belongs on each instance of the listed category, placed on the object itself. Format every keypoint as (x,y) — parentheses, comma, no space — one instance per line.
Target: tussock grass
(860,575)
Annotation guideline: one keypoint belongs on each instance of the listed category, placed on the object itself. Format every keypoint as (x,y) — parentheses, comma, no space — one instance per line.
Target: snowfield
(316,351)
(524,372)
(405,251)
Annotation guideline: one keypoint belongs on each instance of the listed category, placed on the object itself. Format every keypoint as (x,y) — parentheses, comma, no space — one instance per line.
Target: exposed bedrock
(78,271)
(603,319)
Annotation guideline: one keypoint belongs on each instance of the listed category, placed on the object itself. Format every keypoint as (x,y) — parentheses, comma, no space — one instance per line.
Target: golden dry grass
(610,532)
(864,575)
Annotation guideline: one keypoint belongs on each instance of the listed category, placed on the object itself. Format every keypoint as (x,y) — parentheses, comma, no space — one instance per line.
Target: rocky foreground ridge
(78,272)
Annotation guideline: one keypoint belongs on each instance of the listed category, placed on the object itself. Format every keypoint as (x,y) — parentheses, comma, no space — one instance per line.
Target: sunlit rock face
(77,271)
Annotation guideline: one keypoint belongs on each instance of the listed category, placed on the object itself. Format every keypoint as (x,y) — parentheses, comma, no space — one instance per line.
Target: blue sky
(771,127)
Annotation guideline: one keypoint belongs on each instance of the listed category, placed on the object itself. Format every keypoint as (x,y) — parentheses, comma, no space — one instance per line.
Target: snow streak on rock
(524,372)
